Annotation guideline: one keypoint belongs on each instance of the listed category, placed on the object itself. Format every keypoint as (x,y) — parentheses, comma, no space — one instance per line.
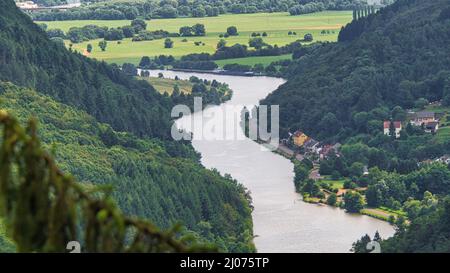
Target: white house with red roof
(397,126)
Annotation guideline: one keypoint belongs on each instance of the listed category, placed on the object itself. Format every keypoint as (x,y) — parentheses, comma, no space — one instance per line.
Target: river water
(282,222)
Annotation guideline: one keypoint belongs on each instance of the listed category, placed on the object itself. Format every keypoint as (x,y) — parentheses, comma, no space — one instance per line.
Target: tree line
(151,9)
(311,6)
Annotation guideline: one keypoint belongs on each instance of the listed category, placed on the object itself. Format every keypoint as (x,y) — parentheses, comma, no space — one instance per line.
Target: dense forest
(382,61)
(43,208)
(383,66)
(104,126)
(152,9)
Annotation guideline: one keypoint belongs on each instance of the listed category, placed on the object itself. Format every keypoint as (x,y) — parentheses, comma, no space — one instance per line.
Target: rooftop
(397,124)
(425,114)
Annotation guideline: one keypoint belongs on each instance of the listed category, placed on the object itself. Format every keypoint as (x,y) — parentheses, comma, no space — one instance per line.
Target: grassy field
(163,85)
(277,26)
(443,134)
(334,184)
(265,60)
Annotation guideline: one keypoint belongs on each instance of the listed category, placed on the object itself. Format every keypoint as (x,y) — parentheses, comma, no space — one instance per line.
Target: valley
(276,25)
(117,132)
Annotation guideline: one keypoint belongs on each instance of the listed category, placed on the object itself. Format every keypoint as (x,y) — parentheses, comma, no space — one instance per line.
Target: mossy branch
(44,208)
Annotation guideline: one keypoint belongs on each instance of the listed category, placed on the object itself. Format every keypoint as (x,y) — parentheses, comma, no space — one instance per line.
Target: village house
(299,138)
(427,120)
(311,146)
(387,128)
(327,149)
(423,117)
(431,127)
(444,159)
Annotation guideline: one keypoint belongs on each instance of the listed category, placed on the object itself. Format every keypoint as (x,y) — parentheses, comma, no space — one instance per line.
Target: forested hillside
(153,9)
(382,61)
(107,127)
(30,59)
(146,181)
(385,67)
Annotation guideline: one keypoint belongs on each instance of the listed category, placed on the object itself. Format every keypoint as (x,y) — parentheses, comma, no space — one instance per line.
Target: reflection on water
(282,222)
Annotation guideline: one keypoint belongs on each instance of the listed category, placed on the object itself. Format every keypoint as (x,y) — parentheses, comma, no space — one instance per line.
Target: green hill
(29,58)
(383,66)
(147,182)
(106,127)
(382,61)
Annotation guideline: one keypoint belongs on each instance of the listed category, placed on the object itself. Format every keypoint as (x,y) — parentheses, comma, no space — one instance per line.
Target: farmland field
(163,85)
(265,60)
(277,26)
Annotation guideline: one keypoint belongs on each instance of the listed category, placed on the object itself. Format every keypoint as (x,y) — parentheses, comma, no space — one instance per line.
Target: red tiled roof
(397,124)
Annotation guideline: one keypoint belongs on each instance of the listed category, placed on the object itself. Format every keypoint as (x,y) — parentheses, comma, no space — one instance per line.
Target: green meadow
(164,85)
(264,60)
(277,26)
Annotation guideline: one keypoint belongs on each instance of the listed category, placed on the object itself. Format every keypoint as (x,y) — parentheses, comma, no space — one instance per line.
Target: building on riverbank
(299,138)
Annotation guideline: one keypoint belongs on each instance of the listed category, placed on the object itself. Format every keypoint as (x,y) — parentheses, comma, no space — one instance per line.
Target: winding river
(282,222)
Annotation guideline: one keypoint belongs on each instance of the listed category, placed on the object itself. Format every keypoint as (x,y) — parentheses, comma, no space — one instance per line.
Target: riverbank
(383,214)
(282,222)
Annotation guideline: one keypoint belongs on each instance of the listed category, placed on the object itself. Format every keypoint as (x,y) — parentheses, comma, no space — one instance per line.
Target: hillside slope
(107,127)
(29,58)
(146,181)
(387,59)
(383,66)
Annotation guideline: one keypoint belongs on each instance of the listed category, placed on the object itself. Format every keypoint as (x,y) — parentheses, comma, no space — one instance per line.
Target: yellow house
(299,138)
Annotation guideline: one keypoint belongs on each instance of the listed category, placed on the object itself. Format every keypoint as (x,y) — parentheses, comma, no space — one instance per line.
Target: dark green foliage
(353,201)
(114,34)
(199,30)
(301,181)
(129,69)
(427,233)
(308,37)
(232,31)
(29,58)
(168,43)
(80,34)
(361,246)
(55,33)
(103,44)
(44,208)
(139,25)
(146,181)
(237,67)
(256,43)
(310,6)
(368,72)
(153,176)
(332,199)
(173,9)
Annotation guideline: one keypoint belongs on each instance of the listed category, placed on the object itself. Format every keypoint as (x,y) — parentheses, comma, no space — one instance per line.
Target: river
(282,222)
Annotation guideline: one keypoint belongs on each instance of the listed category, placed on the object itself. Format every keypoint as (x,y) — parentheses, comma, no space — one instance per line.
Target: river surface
(282,222)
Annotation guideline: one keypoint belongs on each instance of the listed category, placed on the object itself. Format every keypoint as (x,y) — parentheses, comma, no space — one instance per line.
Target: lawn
(334,184)
(265,60)
(443,134)
(163,85)
(277,26)
(383,213)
